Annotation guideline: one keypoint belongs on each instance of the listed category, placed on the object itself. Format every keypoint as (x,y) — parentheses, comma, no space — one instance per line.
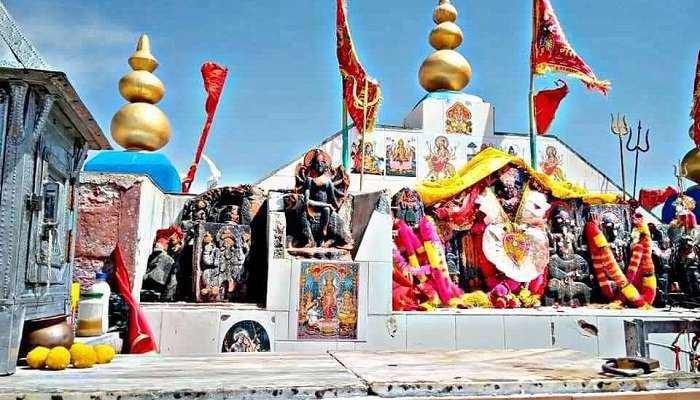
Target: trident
(365,103)
(637,149)
(680,172)
(619,128)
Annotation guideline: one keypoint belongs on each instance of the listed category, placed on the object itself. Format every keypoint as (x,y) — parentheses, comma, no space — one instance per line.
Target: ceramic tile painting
(400,155)
(439,157)
(328,296)
(246,337)
(373,163)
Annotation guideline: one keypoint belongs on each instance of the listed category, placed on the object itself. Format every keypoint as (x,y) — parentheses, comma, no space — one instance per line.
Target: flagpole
(364,132)
(346,138)
(531,95)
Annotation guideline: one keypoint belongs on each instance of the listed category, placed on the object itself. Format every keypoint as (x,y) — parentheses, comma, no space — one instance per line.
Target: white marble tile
(283,346)
(345,346)
(278,285)
(480,332)
(275,201)
(611,337)
(265,319)
(376,243)
(362,303)
(379,288)
(527,332)
(281,325)
(154,316)
(385,332)
(667,357)
(430,332)
(314,347)
(190,332)
(576,333)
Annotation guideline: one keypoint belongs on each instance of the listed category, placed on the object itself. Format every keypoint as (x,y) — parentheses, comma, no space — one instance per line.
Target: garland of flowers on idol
(609,273)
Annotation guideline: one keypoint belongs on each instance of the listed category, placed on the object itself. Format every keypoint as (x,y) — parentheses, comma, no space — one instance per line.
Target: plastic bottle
(101,286)
(90,315)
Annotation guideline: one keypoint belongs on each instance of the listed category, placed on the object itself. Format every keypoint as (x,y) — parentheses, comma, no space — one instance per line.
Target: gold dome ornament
(140,125)
(445,69)
(691,165)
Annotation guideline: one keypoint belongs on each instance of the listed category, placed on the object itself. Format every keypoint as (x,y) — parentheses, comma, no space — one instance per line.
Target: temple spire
(140,125)
(445,69)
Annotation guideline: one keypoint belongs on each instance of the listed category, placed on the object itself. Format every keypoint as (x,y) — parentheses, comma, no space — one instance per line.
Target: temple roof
(20,60)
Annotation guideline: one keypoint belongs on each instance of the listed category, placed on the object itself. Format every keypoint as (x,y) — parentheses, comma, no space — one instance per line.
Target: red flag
(551,52)
(214,78)
(695,112)
(140,338)
(546,104)
(355,79)
(650,198)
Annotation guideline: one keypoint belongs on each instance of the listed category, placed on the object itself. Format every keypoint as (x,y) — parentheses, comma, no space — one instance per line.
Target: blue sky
(283,92)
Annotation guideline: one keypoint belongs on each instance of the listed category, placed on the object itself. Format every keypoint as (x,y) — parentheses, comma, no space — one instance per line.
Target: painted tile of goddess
(401,155)
(328,301)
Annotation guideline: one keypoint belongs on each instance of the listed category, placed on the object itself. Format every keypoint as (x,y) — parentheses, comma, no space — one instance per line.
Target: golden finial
(445,69)
(140,125)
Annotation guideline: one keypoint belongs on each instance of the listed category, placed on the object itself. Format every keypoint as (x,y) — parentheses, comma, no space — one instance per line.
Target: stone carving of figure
(222,261)
(312,212)
(612,229)
(160,279)
(686,275)
(408,206)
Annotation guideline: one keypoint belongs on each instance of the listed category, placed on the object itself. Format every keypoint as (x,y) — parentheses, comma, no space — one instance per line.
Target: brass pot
(48,332)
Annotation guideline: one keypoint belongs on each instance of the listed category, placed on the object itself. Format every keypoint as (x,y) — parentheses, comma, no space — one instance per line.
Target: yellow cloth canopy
(491,160)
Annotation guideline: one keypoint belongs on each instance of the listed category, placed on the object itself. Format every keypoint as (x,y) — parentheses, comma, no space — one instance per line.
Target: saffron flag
(362,94)
(214,77)
(546,105)
(650,198)
(551,52)
(695,112)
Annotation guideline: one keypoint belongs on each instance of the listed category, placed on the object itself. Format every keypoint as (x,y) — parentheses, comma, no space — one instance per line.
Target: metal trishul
(636,149)
(680,172)
(619,128)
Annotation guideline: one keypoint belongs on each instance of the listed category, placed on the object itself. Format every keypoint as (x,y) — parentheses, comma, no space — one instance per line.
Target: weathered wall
(108,212)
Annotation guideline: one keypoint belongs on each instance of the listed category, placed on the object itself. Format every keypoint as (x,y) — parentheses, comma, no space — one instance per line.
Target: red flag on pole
(355,79)
(546,105)
(551,52)
(214,78)
(695,112)
(650,198)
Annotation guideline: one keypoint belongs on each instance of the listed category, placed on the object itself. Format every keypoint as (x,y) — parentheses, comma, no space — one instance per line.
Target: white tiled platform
(196,329)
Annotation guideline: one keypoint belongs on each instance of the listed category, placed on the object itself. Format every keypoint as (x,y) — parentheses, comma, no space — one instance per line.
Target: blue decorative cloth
(155,165)
(668,212)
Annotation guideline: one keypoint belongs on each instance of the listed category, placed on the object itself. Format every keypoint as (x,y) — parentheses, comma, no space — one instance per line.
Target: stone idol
(318,218)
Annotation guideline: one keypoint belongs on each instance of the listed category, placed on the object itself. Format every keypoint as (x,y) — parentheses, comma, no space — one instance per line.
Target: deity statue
(569,273)
(160,279)
(440,159)
(611,226)
(661,253)
(221,261)
(407,206)
(685,269)
(685,222)
(509,189)
(312,211)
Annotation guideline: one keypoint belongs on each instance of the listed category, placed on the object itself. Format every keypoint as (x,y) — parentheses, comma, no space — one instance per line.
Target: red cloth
(650,198)
(140,338)
(163,235)
(688,221)
(546,104)
(354,77)
(551,52)
(695,112)
(214,77)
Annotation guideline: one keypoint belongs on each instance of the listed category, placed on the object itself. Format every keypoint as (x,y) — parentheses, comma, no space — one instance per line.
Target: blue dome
(155,165)
(668,212)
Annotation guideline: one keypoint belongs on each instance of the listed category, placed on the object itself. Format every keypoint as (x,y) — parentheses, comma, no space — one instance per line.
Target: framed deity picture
(328,301)
(400,155)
